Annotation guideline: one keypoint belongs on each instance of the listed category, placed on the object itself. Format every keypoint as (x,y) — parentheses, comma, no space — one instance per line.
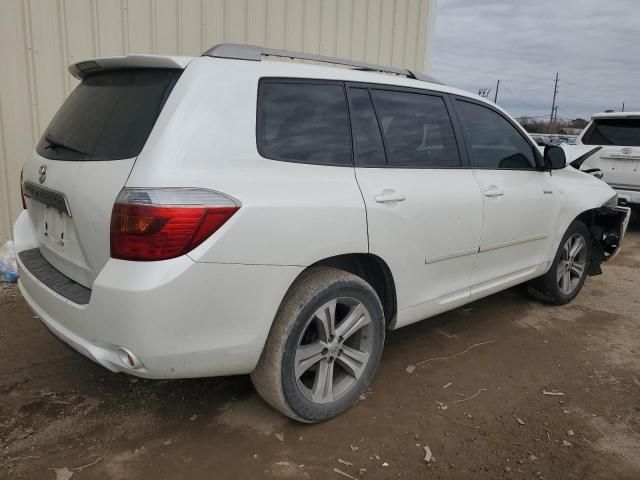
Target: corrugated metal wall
(39,38)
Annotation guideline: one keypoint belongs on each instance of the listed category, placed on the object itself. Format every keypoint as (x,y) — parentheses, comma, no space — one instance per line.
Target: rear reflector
(162,223)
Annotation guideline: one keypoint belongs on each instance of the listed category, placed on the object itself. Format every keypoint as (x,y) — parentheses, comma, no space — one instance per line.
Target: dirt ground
(482,413)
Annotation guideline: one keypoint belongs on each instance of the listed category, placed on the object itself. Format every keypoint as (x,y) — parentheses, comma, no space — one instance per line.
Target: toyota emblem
(43,173)
(627,150)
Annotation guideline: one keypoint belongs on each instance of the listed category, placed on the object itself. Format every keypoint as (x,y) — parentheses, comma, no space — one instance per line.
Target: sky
(594,46)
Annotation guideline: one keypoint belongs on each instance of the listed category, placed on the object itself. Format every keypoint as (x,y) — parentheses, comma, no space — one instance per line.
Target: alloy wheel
(572,264)
(333,350)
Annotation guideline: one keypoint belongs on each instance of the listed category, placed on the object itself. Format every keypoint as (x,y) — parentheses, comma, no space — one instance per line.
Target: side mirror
(554,158)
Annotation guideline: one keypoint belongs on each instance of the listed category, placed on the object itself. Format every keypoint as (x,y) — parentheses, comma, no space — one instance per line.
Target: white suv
(618,135)
(233,214)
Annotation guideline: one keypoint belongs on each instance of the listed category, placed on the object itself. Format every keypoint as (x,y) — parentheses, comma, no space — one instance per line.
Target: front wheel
(324,346)
(568,271)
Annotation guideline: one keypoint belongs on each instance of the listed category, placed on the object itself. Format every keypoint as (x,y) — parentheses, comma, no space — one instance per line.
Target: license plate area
(55,225)
(46,196)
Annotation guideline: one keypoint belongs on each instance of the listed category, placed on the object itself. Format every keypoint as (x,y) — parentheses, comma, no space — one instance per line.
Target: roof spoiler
(85,68)
(614,115)
(255,53)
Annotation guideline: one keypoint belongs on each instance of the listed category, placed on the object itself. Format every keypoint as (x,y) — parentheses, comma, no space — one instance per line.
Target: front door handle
(493,191)
(388,196)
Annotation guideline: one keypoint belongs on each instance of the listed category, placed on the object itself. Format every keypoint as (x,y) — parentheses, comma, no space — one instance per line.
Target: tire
(301,354)
(555,287)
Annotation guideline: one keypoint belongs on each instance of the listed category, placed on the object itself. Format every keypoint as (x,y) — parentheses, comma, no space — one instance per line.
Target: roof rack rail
(255,53)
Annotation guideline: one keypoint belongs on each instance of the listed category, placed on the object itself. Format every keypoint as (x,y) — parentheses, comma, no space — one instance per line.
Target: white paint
(40,38)
(209,312)
(620,164)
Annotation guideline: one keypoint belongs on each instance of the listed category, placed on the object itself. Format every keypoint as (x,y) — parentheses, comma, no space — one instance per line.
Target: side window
(417,130)
(492,141)
(304,123)
(366,132)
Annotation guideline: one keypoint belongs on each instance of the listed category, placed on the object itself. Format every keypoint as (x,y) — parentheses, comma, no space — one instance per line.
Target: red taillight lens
(24,202)
(158,224)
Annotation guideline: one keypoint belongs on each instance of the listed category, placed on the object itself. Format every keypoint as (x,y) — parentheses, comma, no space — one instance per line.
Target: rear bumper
(180,318)
(627,195)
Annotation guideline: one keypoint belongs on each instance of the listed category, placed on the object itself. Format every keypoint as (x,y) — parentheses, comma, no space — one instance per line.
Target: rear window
(613,132)
(304,123)
(108,116)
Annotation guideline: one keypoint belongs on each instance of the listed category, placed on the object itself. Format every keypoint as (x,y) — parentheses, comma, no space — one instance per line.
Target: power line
(568,113)
(534,117)
(519,99)
(445,66)
(604,93)
(591,91)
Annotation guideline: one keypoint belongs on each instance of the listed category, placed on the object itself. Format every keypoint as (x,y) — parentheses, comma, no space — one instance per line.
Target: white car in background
(230,214)
(618,135)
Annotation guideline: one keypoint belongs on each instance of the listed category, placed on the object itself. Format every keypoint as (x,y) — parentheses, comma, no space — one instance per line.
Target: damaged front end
(608,225)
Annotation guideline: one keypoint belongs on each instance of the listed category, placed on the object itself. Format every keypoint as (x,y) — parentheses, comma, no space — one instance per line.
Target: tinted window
(417,129)
(108,116)
(614,132)
(304,122)
(492,141)
(366,131)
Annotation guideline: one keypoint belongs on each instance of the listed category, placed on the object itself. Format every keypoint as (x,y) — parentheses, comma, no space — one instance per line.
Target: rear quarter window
(304,123)
(108,116)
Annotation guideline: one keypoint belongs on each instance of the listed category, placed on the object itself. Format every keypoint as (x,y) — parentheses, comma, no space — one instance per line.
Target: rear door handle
(388,196)
(493,191)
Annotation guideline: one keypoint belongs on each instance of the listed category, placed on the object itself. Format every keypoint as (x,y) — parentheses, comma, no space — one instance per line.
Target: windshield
(623,132)
(109,116)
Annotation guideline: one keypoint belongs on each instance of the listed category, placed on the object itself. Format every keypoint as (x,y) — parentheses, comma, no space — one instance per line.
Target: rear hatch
(86,154)
(619,158)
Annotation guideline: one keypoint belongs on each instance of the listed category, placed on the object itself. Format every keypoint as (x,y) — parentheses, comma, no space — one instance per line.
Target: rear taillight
(160,223)
(24,202)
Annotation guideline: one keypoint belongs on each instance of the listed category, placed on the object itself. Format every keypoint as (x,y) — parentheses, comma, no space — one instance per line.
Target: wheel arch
(372,269)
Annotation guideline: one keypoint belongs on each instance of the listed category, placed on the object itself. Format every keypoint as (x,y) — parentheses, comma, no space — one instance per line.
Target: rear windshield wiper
(55,143)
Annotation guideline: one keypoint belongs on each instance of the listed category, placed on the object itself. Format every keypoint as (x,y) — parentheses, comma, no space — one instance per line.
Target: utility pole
(495,98)
(553,105)
(623,106)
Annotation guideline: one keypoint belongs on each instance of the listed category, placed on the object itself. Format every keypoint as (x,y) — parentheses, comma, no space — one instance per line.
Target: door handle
(493,191)
(388,196)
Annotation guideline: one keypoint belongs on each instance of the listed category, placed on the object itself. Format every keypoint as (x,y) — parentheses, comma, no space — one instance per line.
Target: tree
(579,123)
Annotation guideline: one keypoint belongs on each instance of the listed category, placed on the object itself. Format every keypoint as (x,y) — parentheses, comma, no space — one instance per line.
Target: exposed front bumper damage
(608,226)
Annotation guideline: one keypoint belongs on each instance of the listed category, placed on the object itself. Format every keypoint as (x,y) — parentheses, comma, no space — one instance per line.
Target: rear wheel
(568,272)
(324,346)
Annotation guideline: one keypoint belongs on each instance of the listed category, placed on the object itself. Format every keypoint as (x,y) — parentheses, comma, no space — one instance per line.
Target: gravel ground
(483,413)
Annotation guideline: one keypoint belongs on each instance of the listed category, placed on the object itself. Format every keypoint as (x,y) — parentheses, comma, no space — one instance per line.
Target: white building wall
(39,38)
